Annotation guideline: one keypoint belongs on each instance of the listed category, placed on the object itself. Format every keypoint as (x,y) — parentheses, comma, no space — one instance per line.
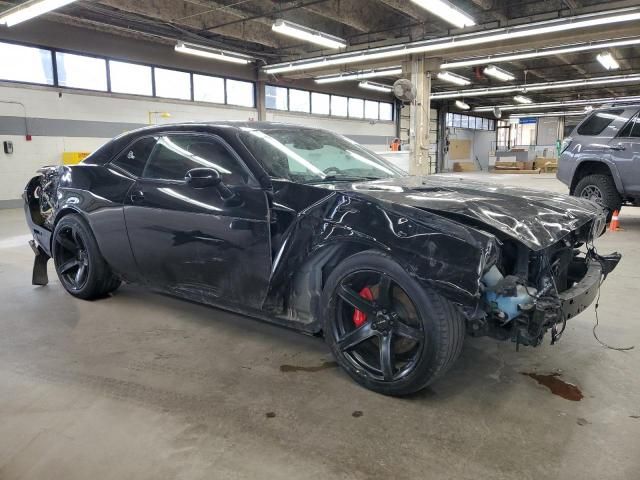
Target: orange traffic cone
(615,222)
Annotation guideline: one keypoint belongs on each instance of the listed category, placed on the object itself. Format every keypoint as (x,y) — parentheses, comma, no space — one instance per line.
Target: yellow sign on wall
(73,158)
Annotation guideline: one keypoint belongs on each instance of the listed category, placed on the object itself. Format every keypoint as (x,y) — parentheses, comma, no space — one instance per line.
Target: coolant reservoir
(506,304)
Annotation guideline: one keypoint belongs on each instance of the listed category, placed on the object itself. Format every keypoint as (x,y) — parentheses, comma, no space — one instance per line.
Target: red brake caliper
(359,317)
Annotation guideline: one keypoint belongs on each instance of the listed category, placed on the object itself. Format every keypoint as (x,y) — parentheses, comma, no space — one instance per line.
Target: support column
(260,100)
(420,69)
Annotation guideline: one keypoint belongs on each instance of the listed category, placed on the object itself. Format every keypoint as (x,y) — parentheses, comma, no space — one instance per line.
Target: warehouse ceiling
(245,26)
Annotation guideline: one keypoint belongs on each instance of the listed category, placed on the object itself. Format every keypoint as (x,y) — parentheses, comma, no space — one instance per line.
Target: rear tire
(601,189)
(78,262)
(422,331)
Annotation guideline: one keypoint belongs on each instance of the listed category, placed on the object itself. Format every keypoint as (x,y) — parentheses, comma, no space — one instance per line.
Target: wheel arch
(595,166)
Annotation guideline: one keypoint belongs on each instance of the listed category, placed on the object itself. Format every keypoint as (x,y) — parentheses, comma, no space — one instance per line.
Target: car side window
(598,121)
(175,155)
(631,129)
(134,157)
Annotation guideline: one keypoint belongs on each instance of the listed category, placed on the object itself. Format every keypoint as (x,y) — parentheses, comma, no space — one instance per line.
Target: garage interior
(141,385)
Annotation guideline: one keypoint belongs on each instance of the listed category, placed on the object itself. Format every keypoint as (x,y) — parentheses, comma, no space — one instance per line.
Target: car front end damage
(527,293)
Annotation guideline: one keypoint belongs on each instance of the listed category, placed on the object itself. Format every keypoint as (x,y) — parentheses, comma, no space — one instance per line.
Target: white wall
(482,142)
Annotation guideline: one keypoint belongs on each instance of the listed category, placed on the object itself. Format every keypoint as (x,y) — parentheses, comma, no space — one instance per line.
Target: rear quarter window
(598,121)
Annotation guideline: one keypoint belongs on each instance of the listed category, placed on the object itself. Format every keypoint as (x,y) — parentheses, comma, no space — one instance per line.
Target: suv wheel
(601,189)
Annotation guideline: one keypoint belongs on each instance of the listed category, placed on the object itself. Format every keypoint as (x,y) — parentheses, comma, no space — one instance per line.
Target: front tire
(78,262)
(388,333)
(602,190)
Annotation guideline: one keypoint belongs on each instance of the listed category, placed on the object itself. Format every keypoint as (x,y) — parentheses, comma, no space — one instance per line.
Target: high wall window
(35,65)
(386,111)
(316,103)
(208,89)
(130,78)
(299,101)
(339,106)
(320,103)
(79,71)
(276,98)
(240,93)
(356,108)
(458,120)
(25,64)
(172,84)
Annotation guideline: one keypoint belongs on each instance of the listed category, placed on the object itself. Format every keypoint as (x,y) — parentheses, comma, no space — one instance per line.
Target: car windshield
(314,156)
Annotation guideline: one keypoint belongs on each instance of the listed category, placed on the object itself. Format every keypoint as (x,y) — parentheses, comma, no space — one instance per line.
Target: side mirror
(203,177)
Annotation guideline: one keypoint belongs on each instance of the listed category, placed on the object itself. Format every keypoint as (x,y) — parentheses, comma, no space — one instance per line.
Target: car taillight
(566,143)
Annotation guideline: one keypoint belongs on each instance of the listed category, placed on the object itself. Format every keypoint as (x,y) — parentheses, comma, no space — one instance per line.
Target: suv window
(632,128)
(175,155)
(598,121)
(134,158)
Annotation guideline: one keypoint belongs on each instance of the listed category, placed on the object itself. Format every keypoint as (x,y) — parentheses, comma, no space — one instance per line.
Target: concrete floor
(147,387)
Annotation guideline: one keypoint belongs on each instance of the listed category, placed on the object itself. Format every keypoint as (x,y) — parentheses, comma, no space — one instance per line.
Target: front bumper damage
(524,314)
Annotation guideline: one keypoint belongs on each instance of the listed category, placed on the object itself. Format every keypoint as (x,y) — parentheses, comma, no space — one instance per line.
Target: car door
(192,241)
(625,153)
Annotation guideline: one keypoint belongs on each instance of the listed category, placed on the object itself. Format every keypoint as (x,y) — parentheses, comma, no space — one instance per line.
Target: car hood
(536,218)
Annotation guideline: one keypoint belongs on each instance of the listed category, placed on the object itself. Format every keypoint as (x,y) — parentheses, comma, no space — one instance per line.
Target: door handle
(137,196)
(618,148)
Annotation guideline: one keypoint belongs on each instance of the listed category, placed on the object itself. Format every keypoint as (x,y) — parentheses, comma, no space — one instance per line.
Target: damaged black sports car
(307,229)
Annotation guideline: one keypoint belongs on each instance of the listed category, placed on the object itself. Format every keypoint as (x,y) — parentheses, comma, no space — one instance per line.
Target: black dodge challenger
(307,229)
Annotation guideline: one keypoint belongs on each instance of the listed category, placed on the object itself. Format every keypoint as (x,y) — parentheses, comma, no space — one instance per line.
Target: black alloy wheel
(390,340)
(71,258)
(81,268)
(388,332)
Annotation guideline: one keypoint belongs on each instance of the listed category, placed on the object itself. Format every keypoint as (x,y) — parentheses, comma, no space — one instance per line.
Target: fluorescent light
(462,40)
(607,61)
(522,99)
(29,10)
(547,114)
(446,11)
(498,73)
(543,52)
(462,106)
(453,78)
(592,101)
(379,87)
(359,75)
(213,53)
(536,87)
(308,34)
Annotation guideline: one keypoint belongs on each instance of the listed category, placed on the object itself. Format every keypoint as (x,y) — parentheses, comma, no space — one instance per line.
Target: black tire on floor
(600,188)
(79,264)
(435,319)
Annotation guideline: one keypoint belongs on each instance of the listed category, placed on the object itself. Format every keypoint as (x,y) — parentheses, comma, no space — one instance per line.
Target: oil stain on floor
(557,386)
(317,368)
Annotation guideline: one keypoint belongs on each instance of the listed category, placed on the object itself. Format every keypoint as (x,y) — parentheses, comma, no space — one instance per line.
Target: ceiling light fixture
(29,10)
(546,114)
(536,87)
(453,78)
(522,99)
(446,11)
(462,106)
(462,40)
(607,61)
(592,101)
(543,52)
(214,53)
(308,34)
(378,87)
(360,75)
(498,73)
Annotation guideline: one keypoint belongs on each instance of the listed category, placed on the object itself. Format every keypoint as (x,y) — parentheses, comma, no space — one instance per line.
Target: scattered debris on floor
(270,414)
(357,414)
